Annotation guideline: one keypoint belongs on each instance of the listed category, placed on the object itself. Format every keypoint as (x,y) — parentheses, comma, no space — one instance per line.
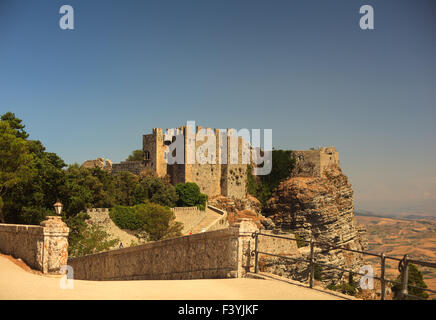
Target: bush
(345,288)
(190,196)
(318,272)
(415,279)
(156,190)
(300,242)
(125,218)
(87,239)
(156,221)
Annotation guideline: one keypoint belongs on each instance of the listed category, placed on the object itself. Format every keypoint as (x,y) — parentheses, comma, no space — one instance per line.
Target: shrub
(415,279)
(157,221)
(87,239)
(345,288)
(189,195)
(125,218)
(156,190)
(318,272)
(300,241)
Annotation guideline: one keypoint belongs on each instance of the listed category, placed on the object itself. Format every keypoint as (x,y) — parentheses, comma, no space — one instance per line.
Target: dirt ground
(18,281)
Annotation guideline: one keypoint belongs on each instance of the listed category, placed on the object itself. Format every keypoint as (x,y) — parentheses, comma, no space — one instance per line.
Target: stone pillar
(55,244)
(245,244)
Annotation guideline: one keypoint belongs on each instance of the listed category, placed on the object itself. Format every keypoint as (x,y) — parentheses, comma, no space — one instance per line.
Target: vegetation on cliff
(262,187)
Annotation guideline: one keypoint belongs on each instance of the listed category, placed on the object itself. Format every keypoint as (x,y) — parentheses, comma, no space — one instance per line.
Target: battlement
(224,172)
(315,162)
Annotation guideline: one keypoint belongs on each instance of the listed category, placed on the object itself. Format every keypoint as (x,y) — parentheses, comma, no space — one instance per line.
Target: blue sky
(301,68)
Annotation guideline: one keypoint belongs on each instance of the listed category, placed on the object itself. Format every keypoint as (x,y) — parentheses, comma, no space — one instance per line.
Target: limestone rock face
(246,208)
(322,208)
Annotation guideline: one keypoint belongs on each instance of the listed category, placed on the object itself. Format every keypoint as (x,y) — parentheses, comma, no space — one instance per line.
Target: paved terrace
(17,281)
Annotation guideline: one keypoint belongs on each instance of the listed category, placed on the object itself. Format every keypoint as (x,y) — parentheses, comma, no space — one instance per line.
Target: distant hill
(366,213)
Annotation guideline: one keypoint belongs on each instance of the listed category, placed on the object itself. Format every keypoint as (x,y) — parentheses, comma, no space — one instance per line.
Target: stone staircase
(209,219)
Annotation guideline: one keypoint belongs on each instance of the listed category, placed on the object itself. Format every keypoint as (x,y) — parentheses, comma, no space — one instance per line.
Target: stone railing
(215,254)
(184,209)
(44,247)
(219,223)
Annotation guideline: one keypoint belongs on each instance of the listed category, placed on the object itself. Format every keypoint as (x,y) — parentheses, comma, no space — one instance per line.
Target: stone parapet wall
(189,217)
(135,167)
(202,255)
(279,246)
(220,223)
(214,254)
(43,248)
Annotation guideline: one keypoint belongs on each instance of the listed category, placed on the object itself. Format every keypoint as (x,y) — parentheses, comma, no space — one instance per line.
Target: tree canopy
(190,195)
(33,179)
(136,155)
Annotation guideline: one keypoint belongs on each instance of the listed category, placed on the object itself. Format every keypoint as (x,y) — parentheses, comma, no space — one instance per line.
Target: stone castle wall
(135,167)
(44,248)
(189,216)
(315,162)
(212,178)
(222,253)
(204,255)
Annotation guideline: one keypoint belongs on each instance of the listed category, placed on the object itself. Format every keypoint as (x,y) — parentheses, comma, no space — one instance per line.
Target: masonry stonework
(224,174)
(315,162)
(44,248)
(204,255)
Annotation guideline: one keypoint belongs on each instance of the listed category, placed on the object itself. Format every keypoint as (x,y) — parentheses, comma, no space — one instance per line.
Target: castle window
(146,155)
(301,157)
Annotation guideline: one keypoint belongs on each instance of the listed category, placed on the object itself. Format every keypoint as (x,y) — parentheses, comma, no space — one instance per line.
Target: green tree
(125,185)
(157,221)
(125,217)
(15,124)
(155,190)
(15,162)
(415,279)
(317,272)
(87,239)
(136,155)
(189,195)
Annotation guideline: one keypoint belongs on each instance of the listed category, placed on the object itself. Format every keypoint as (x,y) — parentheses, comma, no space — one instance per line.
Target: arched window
(146,155)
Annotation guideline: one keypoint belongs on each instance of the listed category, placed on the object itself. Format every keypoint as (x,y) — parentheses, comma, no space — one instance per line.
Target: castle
(225,172)
(315,162)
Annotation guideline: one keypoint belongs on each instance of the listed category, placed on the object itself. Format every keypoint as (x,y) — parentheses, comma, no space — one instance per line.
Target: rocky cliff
(322,208)
(248,208)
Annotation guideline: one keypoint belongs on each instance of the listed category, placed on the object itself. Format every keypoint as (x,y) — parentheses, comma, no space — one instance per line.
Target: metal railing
(403,264)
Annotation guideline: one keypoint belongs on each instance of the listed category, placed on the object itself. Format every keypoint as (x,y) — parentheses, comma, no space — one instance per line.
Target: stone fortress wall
(315,162)
(221,253)
(213,178)
(43,248)
(135,167)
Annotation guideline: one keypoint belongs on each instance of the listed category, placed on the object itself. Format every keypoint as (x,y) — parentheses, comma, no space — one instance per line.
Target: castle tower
(154,152)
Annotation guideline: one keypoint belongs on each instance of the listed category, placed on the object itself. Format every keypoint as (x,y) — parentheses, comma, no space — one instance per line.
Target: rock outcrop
(246,208)
(320,208)
(98,163)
